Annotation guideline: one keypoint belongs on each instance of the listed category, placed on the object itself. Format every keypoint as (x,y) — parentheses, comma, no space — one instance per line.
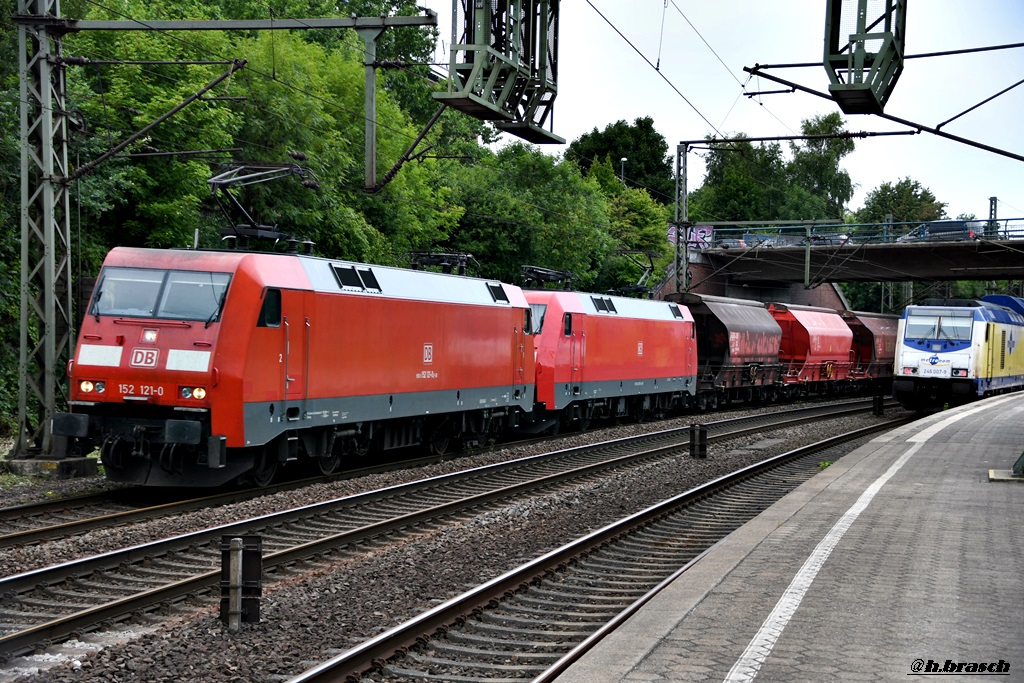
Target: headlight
(101,387)
(86,386)
(198,393)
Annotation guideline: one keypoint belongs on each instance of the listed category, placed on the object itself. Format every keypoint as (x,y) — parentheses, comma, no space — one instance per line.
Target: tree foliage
(904,201)
(647,164)
(303,91)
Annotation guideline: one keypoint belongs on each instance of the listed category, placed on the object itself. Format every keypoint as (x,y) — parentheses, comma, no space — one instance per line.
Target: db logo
(144,358)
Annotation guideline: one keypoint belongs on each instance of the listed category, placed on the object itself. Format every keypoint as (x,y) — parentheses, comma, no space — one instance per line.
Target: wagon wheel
(265,466)
(329,463)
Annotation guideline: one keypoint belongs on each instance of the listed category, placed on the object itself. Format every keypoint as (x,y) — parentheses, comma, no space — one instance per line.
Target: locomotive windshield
(935,324)
(152,293)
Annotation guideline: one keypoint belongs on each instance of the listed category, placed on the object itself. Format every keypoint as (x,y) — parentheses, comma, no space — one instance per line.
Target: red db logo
(144,358)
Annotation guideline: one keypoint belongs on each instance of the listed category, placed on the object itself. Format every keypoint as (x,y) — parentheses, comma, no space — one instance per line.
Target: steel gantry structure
(47,323)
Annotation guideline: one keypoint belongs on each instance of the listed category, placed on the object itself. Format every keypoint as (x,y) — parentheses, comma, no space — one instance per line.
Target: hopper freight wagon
(738,349)
(816,349)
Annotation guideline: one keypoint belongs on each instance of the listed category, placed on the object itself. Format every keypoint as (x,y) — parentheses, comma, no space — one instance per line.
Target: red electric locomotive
(816,348)
(874,349)
(600,356)
(198,368)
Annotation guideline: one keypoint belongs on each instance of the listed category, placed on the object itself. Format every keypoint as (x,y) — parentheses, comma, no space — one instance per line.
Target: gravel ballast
(312,616)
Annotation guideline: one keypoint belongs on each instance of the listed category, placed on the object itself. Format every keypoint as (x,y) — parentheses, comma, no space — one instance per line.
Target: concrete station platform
(899,561)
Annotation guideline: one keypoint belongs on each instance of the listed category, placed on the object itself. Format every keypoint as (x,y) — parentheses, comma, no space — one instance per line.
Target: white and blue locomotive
(958,350)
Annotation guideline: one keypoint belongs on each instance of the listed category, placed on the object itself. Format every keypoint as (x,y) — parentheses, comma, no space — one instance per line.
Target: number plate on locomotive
(140,390)
(934,371)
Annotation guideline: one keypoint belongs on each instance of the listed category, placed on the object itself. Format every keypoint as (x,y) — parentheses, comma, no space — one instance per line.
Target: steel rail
(350,664)
(28,638)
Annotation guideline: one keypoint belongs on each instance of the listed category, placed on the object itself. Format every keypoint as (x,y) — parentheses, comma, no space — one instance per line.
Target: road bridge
(979,259)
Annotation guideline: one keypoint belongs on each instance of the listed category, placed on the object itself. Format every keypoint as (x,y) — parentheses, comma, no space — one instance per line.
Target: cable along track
(41,606)
(532,622)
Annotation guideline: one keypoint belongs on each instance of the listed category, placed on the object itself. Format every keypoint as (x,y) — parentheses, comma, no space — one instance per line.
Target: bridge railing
(840,234)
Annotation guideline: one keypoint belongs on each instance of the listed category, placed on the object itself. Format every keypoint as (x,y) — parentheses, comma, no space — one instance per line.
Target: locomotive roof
(605,304)
(295,271)
(989,308)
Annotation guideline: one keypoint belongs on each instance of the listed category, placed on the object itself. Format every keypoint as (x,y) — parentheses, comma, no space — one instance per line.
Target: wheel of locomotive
(329,463)
(713,402)
(264,466)
(441,438)
(702,403)
(357,446)
(583,424)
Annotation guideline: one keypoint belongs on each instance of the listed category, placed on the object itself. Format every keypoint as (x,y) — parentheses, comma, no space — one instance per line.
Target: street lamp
(622,171)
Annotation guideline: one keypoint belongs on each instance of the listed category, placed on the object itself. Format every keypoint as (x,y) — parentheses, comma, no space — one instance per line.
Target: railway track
(533,622)
(41,606)
(76,515)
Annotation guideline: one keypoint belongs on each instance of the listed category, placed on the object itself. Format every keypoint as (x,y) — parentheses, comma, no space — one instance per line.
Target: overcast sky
(602,79)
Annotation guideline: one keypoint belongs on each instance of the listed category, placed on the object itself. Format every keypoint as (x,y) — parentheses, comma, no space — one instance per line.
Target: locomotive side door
(573,329)
(519,355)
(294,355)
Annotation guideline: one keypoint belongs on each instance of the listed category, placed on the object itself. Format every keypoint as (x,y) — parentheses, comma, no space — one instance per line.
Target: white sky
(602,79)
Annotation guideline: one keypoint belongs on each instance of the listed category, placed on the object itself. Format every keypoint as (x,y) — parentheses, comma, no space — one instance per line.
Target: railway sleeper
(513,645)
(564,592)
(531,602)
(501,617)
(493,652)
(484,668)
(514,633)
(553,613)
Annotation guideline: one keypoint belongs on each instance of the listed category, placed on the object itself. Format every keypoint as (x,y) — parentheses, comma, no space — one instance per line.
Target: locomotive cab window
(270,312)
(538,311)
(568,324)
(153,293)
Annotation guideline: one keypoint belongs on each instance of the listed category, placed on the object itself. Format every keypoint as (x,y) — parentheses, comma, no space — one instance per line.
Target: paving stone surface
(932,569)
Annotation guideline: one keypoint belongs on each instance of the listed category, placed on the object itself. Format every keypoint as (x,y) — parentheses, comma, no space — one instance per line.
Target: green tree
(647,164)
(743,182)
(523,207)
(906,201)
(815,169)
(637,223)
